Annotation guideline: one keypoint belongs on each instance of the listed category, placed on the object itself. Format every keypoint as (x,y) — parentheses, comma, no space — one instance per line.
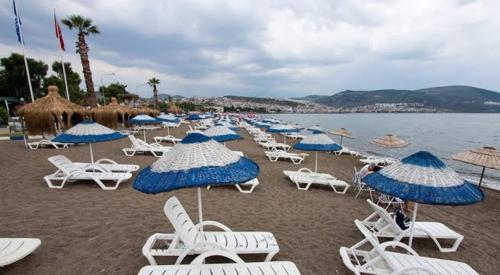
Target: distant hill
(265,100)
(447,98)
(165,97)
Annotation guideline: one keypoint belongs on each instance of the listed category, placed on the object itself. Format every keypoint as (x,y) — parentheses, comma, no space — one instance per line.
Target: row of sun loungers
(46,143)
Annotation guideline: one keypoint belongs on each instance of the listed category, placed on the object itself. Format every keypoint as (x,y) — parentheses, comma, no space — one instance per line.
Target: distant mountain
(265,100)
(166,96)
(447,98)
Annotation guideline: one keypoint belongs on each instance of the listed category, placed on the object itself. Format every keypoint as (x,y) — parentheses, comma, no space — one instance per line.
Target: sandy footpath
(85,230)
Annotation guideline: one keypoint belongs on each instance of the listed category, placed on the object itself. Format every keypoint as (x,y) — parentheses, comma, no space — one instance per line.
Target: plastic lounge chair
(388,201)
(106,164)
(45,143)
(380,261)
(271,145)
(382,225)
(346,151)
(197,266)
(140,146)
(359,185)
(251,184)
(169,138)
(275,155)
(68,171)
(14,249)
(305,176)
(373,160)
(186,239)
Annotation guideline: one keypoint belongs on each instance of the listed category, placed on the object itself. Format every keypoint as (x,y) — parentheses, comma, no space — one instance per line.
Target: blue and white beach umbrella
(89,132)
(221,133)
(227,124)
(262,124)
(271,120)
(197,161)
(168,121)
(424,178)
(194,117)
(316,129)
(283,128)
(317,142)
(143,120)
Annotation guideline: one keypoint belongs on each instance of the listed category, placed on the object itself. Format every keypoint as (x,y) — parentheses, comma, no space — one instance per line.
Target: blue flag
(17,19)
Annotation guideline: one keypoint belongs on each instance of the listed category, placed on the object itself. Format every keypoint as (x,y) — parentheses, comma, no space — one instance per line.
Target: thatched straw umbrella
(147,111)
(113,114)
(485,157)
(390,141)
(45,113)
(342,132)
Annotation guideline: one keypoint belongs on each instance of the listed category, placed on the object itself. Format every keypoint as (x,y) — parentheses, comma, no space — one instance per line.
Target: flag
(58,32)
(17,20)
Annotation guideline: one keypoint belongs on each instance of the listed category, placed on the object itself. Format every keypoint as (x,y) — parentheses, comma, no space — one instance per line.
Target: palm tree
(153,82)
(85,28)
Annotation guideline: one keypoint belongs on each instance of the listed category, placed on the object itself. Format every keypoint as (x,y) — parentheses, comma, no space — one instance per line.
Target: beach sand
(86,230)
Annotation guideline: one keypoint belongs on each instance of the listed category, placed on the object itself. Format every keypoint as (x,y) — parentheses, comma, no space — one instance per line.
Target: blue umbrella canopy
(424,178)
(283,128)
(196,161)
(262,124)
(144,119)
(194,117)
(168,118)
(271,120)
(88,131)
(221,134)
(227,124)
(316,129)
(317,142)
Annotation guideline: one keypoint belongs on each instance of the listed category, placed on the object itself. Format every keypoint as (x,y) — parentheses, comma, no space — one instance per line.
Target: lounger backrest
(181,221)
(63,163)
(386,217)
(373,240)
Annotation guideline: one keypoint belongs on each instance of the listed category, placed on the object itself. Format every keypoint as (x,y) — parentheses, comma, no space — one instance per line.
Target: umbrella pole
(316,163)
(200,212)
(415,208)
(341,138)
(144,131)
(92,157)
(168,130)
(482,175)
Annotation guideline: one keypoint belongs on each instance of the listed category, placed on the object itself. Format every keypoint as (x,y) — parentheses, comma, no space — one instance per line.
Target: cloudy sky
(273,48)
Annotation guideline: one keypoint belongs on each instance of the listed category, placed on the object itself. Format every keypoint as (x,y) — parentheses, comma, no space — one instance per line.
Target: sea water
(442,134)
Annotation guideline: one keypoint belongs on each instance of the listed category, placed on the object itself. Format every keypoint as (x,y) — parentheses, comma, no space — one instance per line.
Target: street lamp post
(102,85)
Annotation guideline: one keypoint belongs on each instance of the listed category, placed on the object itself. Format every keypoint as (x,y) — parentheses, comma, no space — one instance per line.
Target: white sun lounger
(346,151)
(14,249)
(44,143)
(305,176)
(271,145)
(68,171)
(197,266)
(140,146)
(105,164)
(372,160)
(380,261)
(169,138)
(251,184)
(280,154)
(382,225)
(188,239)
(294,136)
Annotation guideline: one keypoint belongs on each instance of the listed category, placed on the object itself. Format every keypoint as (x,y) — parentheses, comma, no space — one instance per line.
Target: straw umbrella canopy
(424,178)
(342,132)
(148,111)
(197,161)
(487,157)
(390,141)
(40,116)
(112,114)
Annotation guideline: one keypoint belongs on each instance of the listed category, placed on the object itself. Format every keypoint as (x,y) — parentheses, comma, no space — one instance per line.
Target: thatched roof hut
(147,111)
(50,113)
(174,109)
(113,114)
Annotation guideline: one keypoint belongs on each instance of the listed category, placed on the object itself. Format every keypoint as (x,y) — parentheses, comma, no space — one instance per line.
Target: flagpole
(64,73)
(59,45)
(21,40)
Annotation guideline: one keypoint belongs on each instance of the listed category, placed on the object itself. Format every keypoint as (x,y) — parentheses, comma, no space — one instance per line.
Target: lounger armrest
(219,253)
(213,223)
(305,169)
(406,270)
(95,168)
(106,161)
(399,244)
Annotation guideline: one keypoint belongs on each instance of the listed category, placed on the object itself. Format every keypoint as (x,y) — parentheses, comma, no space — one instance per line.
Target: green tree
(76,94)
(13,80)
(116,89)
(153,82)
(85,28)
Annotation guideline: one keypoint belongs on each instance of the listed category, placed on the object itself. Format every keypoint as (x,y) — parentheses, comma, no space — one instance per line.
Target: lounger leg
(270,256)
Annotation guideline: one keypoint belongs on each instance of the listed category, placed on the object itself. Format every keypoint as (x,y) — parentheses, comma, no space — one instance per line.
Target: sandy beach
(86,230)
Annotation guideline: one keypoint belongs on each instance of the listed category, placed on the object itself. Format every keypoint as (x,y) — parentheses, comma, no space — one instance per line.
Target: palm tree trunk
(155,93)
(83,50)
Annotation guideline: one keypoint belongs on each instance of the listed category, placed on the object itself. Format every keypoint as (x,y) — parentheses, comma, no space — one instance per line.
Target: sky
(271,48)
